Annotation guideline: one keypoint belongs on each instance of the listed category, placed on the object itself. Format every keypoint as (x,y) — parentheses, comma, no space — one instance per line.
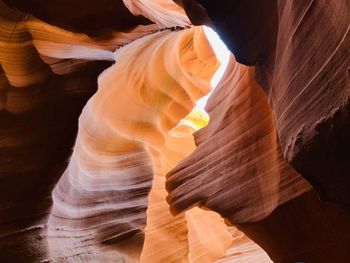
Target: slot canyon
(184,131)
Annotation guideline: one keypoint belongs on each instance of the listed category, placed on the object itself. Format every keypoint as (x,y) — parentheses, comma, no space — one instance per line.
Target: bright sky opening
(223,55)
(199,118)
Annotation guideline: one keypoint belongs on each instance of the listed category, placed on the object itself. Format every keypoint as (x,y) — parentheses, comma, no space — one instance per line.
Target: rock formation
(301,54)
(105,187)
(105,158)
(237,168)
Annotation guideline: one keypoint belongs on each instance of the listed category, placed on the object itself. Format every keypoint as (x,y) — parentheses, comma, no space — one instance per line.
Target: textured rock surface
(42,92)
(237,168)
(163,13)
(197,235)
(101,199)
(301,50)
(51,53)
(243,249)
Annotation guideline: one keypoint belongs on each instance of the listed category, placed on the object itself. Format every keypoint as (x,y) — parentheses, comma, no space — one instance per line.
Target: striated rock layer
(109,205)
(124,144)
(101,199)
(46,76)
(301,53)
(197,235)
(237,168)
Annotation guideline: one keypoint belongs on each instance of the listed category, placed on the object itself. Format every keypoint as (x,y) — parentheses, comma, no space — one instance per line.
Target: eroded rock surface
(237,168)
(110,203)
(102,197)
(301,53)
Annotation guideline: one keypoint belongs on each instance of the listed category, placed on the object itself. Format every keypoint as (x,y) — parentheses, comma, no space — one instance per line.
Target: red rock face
(238,168)
(41,98)
(301,54)
(310,93)
(93,190)
(304,229)
(101,199)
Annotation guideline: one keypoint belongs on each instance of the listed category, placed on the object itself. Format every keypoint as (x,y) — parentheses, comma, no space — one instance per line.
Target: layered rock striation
(127,181)
(301,54)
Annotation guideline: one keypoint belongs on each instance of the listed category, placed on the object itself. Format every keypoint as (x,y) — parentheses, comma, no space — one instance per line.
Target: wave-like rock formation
(102,196)
(100,201)
(198,235)
(47,75)
(163,13)
(220,178)
(237,168)
(301,53)
(141,175)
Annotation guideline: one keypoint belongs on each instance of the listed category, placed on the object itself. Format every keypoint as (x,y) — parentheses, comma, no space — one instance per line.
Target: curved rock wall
(237,168)
(102,196)
(301,53)
(111,203)
(47,75)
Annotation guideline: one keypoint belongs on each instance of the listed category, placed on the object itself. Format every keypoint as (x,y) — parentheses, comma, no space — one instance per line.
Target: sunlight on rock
(223,55)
